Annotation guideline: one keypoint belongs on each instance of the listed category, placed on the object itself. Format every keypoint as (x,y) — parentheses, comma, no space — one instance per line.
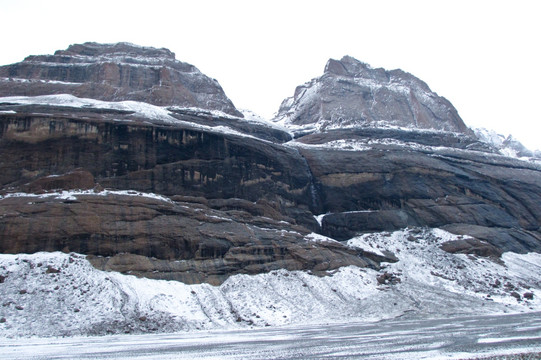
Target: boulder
(471,246)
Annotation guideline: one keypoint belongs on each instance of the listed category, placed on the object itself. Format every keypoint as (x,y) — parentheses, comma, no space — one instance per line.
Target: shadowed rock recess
(141,162)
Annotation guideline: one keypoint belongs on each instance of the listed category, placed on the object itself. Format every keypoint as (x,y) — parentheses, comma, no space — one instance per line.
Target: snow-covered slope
(506,145)
(140,109)
(57,294)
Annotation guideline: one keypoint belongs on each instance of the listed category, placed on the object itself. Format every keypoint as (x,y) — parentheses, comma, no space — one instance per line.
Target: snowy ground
(57,294)
(451,338)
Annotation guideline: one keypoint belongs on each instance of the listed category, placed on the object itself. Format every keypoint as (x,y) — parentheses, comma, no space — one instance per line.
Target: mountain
(115,72)
(390,170)
(394,204)
(351,93)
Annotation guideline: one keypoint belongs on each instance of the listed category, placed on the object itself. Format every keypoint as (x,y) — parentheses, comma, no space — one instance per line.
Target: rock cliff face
(399,181)
(177,158)
(351,93)
(186,239)
(115,72)
(195,195)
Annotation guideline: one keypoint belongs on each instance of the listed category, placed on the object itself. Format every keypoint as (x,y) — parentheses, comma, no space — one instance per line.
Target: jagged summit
(348,66)
(351,93)
(115,72)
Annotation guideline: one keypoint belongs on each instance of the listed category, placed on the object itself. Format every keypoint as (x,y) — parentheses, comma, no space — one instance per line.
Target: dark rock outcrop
(115,72)
(170,160)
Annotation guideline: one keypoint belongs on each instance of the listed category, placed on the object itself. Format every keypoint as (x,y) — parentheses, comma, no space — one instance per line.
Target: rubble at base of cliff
(59,294)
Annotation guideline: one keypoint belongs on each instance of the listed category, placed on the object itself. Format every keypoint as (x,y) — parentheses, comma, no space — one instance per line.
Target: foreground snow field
(57,294)
(454,338)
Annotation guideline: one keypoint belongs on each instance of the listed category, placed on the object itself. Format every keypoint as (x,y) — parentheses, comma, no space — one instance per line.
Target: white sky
(483,56)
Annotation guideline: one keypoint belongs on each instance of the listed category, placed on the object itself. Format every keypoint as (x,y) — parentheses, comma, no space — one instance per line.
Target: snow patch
(42,81)
(139,108)
(73,194)
(319,238)
(361,243)
(319,218)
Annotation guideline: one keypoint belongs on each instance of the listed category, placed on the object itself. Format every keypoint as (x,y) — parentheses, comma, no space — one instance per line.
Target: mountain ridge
(214,201)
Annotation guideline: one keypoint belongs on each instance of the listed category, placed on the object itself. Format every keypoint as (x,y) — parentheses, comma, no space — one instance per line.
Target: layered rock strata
(155,237)
(115,72)
(394,184)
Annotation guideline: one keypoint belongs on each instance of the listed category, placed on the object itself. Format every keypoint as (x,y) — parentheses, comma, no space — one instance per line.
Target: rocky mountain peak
(347,66)
(351,93)
(116,72)
(118,49)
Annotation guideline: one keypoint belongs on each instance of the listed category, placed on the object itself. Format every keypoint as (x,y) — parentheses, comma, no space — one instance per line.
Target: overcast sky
(483,56)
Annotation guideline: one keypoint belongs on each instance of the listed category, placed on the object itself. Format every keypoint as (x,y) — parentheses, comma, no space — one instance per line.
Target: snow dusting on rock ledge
(73,194)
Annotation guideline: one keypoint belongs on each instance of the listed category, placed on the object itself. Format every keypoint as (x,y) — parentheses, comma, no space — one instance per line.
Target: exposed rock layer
(155,238)
(160,159)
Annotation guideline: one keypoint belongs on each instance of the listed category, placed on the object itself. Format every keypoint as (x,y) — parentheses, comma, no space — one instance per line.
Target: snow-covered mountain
(366,198)
(506,145)
(352,94)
